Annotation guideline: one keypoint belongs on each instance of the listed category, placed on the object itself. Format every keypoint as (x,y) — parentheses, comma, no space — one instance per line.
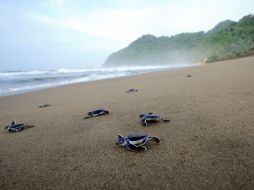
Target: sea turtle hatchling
(44,105)
(150,117)
(135,143)
(96,113)
(131,90)
(16,127)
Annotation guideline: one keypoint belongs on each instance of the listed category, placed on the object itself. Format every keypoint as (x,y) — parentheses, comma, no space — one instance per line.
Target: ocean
(16,82)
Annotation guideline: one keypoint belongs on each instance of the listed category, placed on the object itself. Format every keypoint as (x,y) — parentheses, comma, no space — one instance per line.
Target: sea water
(16,82)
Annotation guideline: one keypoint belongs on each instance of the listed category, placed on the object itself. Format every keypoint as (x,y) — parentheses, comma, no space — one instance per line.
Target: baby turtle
(135,143)
(96,113)
(151,117)
(44,105)
(17,127)
(188,76)
(131,90)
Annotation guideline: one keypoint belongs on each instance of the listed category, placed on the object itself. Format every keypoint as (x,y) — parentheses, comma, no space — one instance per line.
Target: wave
(17,73)
(27,88)
(67,71)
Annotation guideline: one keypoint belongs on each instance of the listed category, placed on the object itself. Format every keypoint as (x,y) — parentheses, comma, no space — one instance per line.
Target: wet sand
(209,143)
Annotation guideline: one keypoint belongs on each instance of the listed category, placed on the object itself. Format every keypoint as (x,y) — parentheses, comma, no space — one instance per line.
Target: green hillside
(226,40)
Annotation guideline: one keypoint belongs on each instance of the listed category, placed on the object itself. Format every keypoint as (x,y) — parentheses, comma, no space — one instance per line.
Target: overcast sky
(51,34)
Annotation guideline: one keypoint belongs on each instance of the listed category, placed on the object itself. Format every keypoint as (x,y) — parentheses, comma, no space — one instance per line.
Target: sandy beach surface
(209,143)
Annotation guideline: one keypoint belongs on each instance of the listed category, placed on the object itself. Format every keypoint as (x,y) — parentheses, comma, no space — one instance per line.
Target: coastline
(207,145)
(19,82)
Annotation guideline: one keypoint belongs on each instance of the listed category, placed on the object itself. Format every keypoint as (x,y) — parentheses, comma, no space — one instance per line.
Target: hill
(228,39)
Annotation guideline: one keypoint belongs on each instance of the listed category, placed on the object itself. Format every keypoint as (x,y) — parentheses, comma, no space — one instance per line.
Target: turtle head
(121,140)
(106,112)
(141,115)
(90,114)
(13,122)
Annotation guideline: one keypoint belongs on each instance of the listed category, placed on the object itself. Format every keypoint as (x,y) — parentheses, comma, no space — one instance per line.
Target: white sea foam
(22,73)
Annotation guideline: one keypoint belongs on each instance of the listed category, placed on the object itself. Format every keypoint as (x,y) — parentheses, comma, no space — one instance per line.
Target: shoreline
(130,75)
(208,144)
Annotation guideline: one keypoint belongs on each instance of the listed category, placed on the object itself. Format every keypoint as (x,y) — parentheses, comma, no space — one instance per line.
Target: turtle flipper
(28,126)
(165,120)
(134,148)
(144,122)
(141,115)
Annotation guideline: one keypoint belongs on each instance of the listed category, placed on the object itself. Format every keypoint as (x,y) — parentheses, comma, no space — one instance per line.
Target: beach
(208,144)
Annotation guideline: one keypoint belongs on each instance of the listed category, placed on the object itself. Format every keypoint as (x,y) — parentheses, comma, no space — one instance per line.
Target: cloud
(103,23)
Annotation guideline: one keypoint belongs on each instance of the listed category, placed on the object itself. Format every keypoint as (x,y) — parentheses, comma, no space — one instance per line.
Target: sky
(54,34)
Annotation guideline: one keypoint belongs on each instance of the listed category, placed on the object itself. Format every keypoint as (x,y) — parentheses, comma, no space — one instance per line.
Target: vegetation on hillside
(226,40)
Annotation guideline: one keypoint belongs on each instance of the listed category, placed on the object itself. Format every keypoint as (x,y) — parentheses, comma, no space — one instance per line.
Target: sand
(209,143)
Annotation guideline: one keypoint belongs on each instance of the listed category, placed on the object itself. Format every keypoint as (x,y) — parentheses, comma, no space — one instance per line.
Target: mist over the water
(15,82)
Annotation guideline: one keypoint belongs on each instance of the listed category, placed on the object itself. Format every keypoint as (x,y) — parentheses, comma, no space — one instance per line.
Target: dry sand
(209,143)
